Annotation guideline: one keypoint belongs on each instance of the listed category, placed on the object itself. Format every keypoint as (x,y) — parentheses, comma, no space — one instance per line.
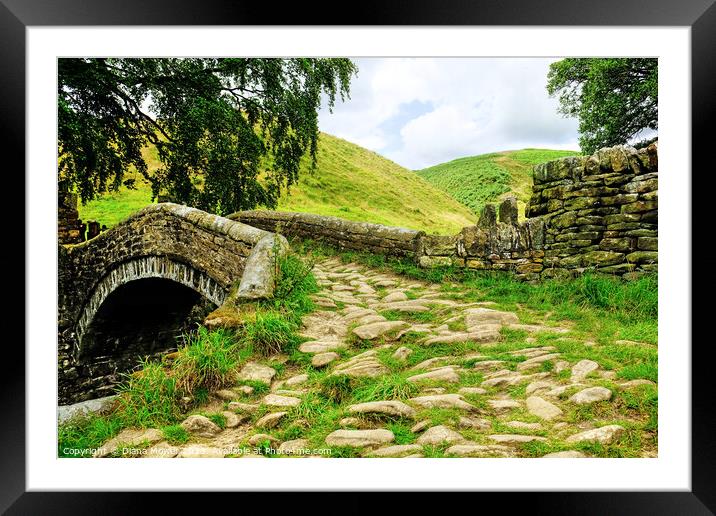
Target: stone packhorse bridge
(131,290)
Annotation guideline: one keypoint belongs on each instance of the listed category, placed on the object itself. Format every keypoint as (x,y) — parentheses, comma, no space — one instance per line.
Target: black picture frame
(699,15)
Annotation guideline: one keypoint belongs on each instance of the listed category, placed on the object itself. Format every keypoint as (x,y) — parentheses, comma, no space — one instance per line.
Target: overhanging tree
(614,99)
(230,133)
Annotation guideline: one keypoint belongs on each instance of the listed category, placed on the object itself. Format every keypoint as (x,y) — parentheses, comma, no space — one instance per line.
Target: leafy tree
(614,99)
(230,133)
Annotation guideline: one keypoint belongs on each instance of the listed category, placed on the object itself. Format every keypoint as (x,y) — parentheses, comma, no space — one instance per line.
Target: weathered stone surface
(508,210)
(542,408)
(536,361)
(488,216)
(539,385)
(636,383)
(256,373)
(443,401)
(257,439)
(478,450)
(359,438)
(402,353)
(474,423)
(232,420)
(257,281)
(389,408)
(420,426)
(374,330)
(568,454)
(515,438)
(521,425)
(200,426)
(276,400)
(642,257)
(432,363)
(228,395)
(605,435)
(95,406)
(297,380)
(471,390)
(395,296)
(479,316)
(486,365)
(581,369)
(242,407)
(488,334)
(362,365)
(503,405)
(503,380)
(437,435)
(591,395)
(445,374)
(270,420)
(323,359)
(316,346)
(399,450)
(129,437)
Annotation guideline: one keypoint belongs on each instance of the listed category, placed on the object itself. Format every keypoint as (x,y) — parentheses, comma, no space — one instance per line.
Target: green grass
(478,180)
(342,185)
(209,361)
(78,437)
(386,387)
(148,398)
(175,434)
(269,333)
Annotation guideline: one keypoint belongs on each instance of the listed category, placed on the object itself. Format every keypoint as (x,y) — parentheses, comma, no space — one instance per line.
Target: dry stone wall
(68,223)
(600,212)
(340,233)
(587,213)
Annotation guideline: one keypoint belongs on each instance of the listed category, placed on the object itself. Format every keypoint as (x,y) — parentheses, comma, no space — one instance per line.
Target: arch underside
(147,267)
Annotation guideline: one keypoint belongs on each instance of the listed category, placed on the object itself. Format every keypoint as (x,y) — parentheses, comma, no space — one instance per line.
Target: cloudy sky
(420,112)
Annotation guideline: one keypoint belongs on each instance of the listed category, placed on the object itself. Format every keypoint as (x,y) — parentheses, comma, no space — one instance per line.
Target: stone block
(508,210)
(647,243)
(643,257)
(640,206)
(617,244)
(488,216)
(603,258)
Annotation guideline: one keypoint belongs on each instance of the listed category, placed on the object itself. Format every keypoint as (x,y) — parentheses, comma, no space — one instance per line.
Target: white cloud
(474,105)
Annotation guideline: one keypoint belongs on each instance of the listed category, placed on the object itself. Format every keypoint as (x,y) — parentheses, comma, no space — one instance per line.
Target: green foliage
(479,180)
(148,398)
(218,419)
(79,436)
(259,387)
(342,185)
(269,333)
(336,387)
(230,133)
(175,434)
(294,283)
(386,387)
(614,99)
(208,361)
(402,433)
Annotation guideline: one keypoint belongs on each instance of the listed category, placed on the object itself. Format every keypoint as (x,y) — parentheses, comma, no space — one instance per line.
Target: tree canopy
(230,133)
(614,99)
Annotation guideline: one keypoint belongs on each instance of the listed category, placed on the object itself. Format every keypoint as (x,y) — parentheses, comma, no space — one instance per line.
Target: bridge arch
(213,256)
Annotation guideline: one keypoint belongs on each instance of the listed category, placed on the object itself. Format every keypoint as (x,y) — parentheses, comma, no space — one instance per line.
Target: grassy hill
(349,182)
(478,180)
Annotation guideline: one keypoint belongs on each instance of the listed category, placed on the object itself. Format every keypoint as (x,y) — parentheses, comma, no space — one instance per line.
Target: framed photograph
(418,253)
